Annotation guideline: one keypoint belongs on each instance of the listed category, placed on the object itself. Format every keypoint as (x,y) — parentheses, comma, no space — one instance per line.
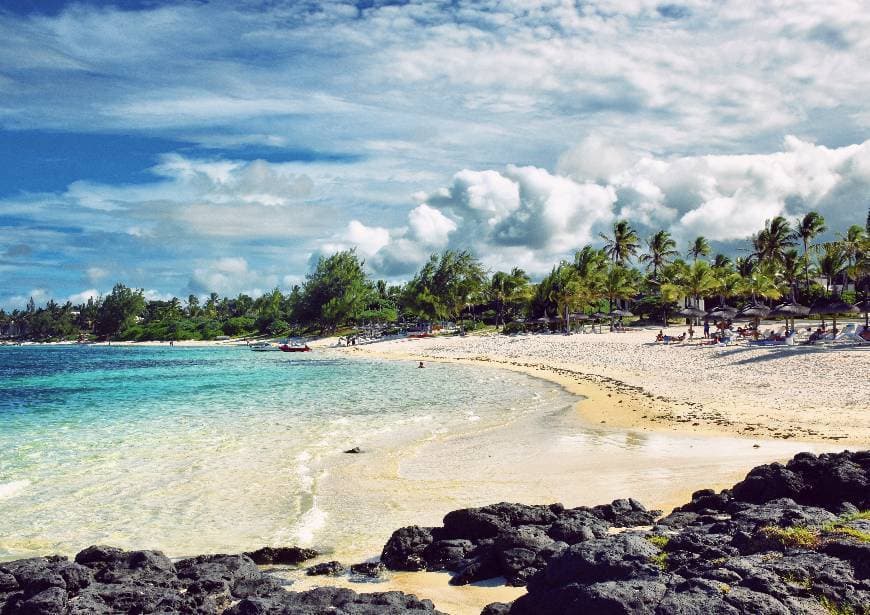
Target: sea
(218,449)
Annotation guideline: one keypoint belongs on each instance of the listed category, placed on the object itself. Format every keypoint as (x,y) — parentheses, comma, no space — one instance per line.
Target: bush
(513,327)
(210,329)
(239,326)
(278,327)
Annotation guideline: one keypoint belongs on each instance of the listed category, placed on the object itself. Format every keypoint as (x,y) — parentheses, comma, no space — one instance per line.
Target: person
(421,366)
(661,336)
(691,332)
(816,336)
(706,328)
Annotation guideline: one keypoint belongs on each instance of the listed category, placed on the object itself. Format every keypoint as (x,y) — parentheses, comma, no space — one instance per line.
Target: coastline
(446,474)
(625,396)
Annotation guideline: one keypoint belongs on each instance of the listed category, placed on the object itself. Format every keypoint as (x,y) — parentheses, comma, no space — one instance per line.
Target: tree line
(651,276)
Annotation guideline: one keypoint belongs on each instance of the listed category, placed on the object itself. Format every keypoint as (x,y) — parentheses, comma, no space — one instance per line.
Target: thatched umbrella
(692,312)
(833,306)
(756,311)
(722,311)
(620,313)
(581,316)
(790,309)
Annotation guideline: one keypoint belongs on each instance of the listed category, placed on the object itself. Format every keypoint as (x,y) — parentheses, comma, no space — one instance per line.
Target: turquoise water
(216,449)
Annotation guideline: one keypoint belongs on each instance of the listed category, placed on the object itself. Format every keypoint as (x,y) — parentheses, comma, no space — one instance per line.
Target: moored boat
(288,348)
(265,347)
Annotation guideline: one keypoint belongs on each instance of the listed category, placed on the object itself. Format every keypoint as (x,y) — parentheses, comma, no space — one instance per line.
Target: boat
(265,347)
(288,348)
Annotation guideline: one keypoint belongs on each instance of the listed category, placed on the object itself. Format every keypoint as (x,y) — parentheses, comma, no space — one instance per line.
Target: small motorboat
(265,347)
(288,348)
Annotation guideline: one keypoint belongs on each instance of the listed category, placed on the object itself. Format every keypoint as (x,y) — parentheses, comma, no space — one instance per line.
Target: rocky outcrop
(788,539)
(104,580)
(514,541)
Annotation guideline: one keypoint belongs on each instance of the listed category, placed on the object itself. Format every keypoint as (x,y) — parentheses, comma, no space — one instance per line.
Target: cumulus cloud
(530,217)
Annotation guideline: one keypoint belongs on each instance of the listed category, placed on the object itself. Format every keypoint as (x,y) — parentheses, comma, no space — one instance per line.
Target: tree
(445,285)
(832,262)
(119,310)
(698,281)
(192,306)
(566,290)
(661,248)
(769,244)
(336,292)
(623,244)
(853,242)
(699,247)
(811,225)
(618,284)
(505,288)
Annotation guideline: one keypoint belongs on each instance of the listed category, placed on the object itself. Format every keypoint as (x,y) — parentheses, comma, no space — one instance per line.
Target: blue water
(205,449)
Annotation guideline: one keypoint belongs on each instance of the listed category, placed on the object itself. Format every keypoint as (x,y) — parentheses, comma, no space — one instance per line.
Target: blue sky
(185,147)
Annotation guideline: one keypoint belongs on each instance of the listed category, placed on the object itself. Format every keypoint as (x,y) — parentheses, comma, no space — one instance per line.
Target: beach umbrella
(620,313)
(756,311)
(600,316)
(692,312)
(581,316)
(723,310)
(833,306)
(790,309)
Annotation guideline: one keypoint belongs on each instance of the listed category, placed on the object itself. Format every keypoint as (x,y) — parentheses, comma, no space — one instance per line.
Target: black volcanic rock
(331,569)
(289,556)
(514,541)
(107,580)
(788,539)
(336,600)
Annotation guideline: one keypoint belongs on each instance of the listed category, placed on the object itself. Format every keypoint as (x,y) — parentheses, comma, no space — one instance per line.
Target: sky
(190,147)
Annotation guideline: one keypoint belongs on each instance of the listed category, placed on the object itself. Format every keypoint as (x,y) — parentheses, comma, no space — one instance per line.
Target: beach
(812,394)
(603,417)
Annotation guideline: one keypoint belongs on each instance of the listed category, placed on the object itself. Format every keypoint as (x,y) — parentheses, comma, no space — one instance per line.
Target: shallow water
(196,450)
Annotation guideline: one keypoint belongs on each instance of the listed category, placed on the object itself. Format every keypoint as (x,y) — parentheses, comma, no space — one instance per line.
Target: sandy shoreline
(803,394)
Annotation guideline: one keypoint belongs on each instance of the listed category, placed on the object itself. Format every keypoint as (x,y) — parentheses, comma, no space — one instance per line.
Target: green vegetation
(841,609)
(660,560)
(453,286)
(659,541)
(794,537)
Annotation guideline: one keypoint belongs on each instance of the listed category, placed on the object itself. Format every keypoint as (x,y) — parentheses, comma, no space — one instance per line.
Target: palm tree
(744,266)
(853,240)
(762,283)
(507,287)
(662,248)
(623,244)
(698,281)
(565,290)
(811,225)
(773,240)
(617,284)
(720,261)
(699,247)
(832,261)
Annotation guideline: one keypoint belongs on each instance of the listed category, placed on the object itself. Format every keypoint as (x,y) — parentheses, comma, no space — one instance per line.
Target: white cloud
(95,274)
(83,296)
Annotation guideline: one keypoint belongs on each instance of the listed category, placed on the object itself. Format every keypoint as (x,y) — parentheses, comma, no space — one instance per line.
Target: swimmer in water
(421,366)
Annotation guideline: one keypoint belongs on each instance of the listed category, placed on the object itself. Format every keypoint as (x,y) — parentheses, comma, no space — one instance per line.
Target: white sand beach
(810,393)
